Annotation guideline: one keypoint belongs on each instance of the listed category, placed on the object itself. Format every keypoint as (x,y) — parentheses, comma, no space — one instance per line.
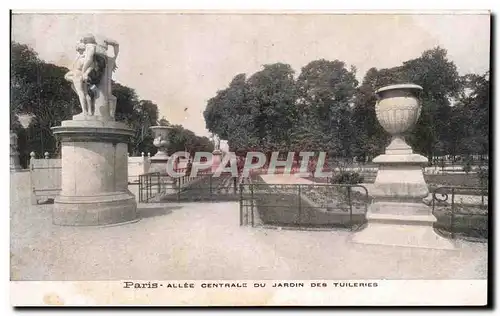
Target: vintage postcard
(212,158)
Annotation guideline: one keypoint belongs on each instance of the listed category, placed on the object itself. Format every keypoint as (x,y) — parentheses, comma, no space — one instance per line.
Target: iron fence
(149,186)
(461,211)
(156,187)
(304,205)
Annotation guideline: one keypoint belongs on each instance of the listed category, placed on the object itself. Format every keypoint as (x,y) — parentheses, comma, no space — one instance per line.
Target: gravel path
(205,241)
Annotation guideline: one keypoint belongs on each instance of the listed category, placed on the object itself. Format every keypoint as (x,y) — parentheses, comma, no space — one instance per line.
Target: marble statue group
(90,75)
(96,192)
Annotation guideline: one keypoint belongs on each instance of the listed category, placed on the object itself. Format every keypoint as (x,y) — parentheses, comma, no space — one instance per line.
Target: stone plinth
(216,159)
(14,153)
(398,216)
(94,178)
(158,164)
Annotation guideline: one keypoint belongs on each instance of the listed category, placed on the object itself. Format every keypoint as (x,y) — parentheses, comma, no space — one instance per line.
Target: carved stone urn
(398,109)
(159,162)
(161,141)
(397,215)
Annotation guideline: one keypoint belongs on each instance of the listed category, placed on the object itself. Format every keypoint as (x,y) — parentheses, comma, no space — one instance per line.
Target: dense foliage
(325,108)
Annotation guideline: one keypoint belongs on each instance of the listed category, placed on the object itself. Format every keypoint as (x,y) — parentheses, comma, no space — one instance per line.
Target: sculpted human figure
(91,75)
(76,77)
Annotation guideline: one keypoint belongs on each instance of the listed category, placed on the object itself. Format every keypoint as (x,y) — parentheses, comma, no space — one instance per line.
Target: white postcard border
(245,293)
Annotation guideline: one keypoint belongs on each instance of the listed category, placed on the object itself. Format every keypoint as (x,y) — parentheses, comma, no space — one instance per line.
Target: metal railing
(149,186)
(155,187)
(461,211)
(304,205)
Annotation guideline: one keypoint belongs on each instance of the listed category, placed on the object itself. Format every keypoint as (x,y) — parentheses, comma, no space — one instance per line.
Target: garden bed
(467,221)
(286,210)
(327,206)
(469,180)
(307,205)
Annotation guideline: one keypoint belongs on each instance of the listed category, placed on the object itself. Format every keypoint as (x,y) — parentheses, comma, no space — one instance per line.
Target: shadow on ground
(147,212)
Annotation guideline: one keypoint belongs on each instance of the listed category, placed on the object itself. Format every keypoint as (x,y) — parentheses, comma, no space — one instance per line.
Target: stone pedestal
(158,164)
(398,216)
(94,179)
(216,159)
(14,153)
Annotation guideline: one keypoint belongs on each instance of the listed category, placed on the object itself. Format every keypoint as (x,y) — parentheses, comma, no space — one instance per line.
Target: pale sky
(180,60)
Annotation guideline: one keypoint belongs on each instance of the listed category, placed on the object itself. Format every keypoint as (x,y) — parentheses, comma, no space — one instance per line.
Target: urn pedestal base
(398,216)
(159,162)
(216,160)
(94,182)
(401,224)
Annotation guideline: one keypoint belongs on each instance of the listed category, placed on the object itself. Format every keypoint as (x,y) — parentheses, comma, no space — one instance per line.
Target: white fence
(45,175)
(45,178)
(137,166)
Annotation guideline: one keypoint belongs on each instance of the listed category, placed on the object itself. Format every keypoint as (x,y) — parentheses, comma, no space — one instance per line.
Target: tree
(233,114)
(470,117)
(272,95)
(370,138)
(272,112)
(146,115)
(24,64)
(441,83)
(222,109)
(126,103)
(38,88)
(325,94)
(181,139)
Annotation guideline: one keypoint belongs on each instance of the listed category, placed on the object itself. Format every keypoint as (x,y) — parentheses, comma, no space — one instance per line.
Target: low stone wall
(136,167)
(45,176)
